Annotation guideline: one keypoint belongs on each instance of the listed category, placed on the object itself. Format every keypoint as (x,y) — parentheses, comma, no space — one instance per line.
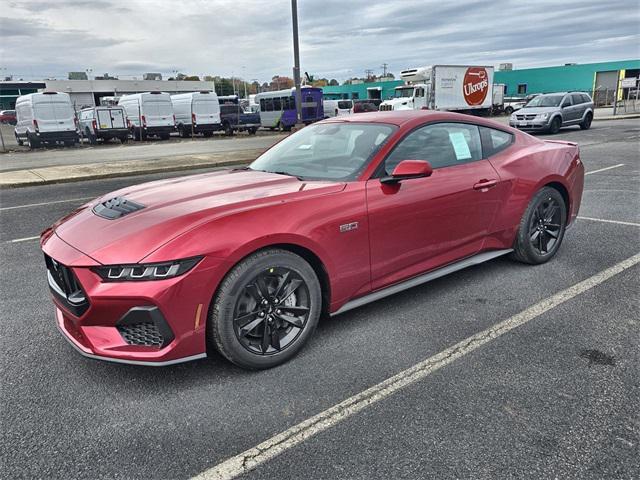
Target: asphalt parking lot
(556,397)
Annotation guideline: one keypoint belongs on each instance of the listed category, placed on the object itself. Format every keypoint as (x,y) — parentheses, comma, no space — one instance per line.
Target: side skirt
(419,280)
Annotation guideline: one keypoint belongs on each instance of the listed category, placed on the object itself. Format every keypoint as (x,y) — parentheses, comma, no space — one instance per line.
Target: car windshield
(326,151)
(545,101)
(404,92)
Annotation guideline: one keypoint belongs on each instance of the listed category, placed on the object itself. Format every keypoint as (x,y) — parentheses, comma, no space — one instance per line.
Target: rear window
(344,105)
(204,107)
(158,108)
(44,111)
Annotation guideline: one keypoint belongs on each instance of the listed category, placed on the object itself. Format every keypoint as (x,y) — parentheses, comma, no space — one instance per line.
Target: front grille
(116,207)
(65,286)
(529,116)
(144,334)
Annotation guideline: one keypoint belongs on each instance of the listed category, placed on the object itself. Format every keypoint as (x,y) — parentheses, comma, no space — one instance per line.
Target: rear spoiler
(562,142)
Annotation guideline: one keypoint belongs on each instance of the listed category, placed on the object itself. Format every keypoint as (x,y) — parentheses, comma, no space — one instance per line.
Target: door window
(441,144)
(566,102)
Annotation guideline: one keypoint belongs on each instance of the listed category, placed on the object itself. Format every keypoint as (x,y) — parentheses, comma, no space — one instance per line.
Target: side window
(576,98)
(494,141)
(355,95)
(277,105)
(268,104)
(419,92)
(262,106)
(522,89)
(441,144)
(585,98)
(566,101)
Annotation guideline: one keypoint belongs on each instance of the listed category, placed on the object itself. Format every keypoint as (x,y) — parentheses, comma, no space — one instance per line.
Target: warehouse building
(90,92)
(599,79)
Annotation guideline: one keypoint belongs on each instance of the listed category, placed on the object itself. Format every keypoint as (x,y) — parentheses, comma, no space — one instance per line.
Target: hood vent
(116,207)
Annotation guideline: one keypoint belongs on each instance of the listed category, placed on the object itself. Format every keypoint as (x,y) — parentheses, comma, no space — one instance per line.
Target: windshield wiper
(287,174)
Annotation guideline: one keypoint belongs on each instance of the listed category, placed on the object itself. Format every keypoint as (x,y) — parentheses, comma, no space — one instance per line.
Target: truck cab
(408,97)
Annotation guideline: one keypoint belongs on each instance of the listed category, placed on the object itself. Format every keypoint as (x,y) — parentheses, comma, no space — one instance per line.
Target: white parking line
(605,169)
(45,203)
(25,239)
(297,434)
(618,222)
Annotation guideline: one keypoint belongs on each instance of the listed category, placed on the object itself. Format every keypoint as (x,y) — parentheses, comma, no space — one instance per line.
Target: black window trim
(379,172)
(487,145)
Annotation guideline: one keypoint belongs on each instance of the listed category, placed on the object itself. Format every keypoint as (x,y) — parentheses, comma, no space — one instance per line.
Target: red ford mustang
(341,213)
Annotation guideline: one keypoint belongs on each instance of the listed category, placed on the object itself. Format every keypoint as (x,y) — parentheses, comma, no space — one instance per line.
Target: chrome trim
(419,280)
(54,285)
(129,362)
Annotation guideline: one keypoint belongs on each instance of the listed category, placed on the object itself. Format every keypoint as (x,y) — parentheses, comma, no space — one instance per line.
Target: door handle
(484,183)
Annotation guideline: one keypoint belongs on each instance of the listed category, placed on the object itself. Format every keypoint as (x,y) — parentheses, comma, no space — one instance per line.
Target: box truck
(444,87)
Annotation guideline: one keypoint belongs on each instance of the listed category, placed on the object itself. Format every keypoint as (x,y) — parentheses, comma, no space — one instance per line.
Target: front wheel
(542,228)
(508,110)
(265,310)
(19,141)
(556,123)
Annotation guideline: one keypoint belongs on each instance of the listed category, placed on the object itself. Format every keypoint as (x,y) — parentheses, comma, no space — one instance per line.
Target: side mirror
(564,105)
(408,169)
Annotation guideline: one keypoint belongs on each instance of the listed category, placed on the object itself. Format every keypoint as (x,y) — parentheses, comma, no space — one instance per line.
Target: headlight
(146,271)
(543,116)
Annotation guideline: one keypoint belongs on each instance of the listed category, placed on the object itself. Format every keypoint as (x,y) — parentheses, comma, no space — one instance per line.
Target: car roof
(415,117)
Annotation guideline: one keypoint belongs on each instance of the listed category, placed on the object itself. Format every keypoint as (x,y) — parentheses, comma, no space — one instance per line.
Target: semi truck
(465,88)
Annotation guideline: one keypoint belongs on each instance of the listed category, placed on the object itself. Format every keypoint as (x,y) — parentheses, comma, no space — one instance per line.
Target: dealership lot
(558,396)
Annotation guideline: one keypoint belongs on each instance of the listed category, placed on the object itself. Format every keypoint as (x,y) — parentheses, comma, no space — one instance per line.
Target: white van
(335,108)
(149,113)
(196,112)
(46,117)
(103,123)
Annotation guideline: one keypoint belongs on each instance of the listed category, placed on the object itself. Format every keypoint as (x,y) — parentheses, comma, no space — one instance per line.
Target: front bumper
(56,136)
(536,124)
(158,322)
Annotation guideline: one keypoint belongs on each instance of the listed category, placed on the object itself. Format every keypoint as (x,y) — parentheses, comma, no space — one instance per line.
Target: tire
(586,123)
(228,129)
(165,136)
(92,138)
(555,126)
(542,228)
(34,143)
(241,291)
(207,134)
(252,131)
(183,132)
(124,139)
(18,140)
(69,143)
(508,110)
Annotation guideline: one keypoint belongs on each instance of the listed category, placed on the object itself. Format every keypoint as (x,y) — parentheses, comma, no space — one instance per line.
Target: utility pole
(368,74)
(296,63)
(384,67)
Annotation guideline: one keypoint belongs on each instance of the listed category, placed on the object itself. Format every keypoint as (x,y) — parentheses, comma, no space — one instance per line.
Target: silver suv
(552,111)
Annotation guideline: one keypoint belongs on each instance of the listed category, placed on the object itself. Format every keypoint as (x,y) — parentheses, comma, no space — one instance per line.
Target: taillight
(35,125)
(193,118)
(95,125)
(144,121)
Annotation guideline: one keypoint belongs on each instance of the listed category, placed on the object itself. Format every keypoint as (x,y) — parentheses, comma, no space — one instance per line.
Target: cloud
(339,39)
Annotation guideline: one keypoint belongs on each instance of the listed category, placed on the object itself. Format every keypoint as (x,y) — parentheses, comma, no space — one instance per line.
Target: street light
(296,63)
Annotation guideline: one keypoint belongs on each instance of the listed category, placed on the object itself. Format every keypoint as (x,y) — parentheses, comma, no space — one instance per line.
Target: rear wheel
(165,136)
(542,227)
(508,110)
(124,139)
(34,142)
(228,129)
(92,138)
(18,140)
(207,134)
(586,123)
(265,310)
(253,130)
(183,132)
(556,123)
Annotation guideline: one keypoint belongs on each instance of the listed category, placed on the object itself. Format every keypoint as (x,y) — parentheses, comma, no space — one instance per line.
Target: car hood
(404,103)
(538,110)
(173,207)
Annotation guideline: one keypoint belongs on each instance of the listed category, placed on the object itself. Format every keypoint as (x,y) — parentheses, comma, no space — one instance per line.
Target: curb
(625,116)
(94,171)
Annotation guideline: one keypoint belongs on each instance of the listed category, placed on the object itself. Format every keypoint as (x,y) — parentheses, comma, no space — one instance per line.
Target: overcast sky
(339,38)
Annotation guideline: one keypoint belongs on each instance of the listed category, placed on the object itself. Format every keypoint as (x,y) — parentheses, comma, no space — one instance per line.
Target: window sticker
(460,145)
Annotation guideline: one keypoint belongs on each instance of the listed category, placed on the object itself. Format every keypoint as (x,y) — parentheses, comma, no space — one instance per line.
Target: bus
(278,109)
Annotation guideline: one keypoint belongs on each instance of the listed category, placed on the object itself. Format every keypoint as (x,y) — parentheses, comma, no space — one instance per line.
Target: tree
(280,83)
(192,78)
(333,82)
(209,78)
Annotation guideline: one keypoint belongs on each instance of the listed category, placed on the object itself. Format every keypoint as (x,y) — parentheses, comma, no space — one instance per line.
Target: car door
(568,110)
(423,223)
(579,106)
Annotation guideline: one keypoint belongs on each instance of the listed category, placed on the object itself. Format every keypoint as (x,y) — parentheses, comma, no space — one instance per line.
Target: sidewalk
(91,171)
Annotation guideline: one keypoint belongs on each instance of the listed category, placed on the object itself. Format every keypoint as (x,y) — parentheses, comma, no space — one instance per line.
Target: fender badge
(347,227)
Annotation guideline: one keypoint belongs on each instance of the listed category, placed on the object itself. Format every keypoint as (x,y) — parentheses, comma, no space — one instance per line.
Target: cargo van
(104,123)
(196,112)
(150,114)
(335,108)
(46,117)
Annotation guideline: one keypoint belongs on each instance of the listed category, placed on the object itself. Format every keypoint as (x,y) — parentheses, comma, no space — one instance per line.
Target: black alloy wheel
(545,225)
(272,311)
(265,309)
(541,228)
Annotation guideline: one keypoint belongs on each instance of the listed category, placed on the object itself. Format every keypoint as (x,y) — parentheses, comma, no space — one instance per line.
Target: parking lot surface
(557,397)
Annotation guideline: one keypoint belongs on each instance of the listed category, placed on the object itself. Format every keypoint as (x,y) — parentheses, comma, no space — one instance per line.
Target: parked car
(339,214)
(8,117)
(149,114)
(235,119)
(363,106)
(45,118)
(551,111)
(196,112)
(335,108)
(104,123)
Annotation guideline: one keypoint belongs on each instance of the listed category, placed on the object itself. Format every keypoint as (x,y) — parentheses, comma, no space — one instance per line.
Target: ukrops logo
(475,85)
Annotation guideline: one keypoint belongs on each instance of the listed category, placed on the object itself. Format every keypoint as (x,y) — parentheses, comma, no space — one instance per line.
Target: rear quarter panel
(525,168)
